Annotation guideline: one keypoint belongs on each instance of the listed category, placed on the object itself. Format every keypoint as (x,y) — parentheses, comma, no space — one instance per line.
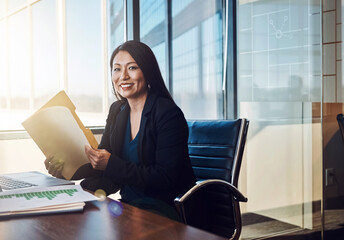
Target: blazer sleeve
(168,147)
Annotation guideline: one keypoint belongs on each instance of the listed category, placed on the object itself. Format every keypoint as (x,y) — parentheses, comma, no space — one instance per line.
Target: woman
(143,151)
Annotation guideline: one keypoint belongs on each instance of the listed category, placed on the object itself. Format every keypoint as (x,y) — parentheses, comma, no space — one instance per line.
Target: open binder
(58,132)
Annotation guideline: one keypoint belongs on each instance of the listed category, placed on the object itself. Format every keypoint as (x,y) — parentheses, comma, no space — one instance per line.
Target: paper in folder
(58,132)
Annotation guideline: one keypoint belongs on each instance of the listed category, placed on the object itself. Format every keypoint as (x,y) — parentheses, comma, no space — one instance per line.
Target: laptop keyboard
(7,183)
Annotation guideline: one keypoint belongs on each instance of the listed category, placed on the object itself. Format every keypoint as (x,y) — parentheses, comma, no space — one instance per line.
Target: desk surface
(96,222)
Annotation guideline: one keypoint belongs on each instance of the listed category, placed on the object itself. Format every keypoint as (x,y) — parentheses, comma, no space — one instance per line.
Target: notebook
(24,180)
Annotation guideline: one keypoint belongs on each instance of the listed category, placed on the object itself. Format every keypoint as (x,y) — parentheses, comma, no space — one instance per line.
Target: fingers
(92,155)
(57,171)
(97,157)
(94,161)
(56,162)
(46,162)
(92,152)
(54,166)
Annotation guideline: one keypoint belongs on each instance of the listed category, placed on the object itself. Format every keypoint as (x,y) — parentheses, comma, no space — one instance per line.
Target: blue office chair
(216,149)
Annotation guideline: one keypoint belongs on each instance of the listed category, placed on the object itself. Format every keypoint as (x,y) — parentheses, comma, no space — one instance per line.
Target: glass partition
(280,92)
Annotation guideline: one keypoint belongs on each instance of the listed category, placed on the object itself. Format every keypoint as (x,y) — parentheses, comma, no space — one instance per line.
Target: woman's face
(127,77)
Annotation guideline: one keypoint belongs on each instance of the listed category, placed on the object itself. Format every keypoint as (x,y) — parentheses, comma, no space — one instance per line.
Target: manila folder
(57,134)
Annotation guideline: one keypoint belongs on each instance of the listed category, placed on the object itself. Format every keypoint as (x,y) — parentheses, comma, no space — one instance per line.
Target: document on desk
(59,133)
(44,200)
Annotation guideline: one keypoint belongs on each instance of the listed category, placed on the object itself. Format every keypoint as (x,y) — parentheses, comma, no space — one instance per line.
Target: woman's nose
(124,75)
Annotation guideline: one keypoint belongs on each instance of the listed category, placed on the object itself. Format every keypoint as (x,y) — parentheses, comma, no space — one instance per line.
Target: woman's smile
(126,86)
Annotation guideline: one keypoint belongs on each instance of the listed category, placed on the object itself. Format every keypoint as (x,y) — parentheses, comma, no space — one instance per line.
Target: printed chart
(33,198)
(50,195)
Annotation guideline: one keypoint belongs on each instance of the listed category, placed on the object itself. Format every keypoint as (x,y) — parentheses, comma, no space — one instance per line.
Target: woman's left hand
(98,157)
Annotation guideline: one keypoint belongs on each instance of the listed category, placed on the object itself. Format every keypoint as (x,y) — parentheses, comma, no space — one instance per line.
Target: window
(3,67)
(45,49)
(196,55)
(49,45)
(19,60)
(153,30)
(2,8)
(15,4)
(84,59)
(115,10)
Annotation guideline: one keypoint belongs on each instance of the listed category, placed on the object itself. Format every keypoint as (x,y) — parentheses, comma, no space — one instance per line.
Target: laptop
(12,181)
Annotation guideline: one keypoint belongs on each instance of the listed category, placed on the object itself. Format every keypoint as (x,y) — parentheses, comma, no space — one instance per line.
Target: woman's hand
(98,157)
(54,166)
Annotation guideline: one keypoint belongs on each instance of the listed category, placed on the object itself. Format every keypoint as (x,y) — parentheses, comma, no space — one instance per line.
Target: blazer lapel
(120,126)
(151,98)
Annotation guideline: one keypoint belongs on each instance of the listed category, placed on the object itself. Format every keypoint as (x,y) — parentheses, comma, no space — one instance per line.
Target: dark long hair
(145,59)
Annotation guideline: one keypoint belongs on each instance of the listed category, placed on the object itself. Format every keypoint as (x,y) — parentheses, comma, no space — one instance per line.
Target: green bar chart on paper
(50,195)
(23,199)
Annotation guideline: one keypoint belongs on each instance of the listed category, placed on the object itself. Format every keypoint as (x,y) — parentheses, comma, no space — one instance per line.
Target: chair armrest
(238,196)
(179,201)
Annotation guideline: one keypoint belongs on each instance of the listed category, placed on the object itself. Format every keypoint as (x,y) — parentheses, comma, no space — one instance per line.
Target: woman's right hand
(54,166)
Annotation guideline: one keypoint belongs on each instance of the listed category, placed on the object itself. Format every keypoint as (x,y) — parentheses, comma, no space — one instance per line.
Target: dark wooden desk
(97,222)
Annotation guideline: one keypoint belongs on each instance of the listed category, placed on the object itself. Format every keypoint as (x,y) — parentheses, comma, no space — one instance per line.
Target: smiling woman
(143,151)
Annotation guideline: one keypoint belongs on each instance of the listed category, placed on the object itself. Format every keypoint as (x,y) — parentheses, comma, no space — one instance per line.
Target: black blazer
(164,170)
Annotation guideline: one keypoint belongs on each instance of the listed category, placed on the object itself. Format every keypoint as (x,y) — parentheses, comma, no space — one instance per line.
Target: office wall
(332,51)
(20,155)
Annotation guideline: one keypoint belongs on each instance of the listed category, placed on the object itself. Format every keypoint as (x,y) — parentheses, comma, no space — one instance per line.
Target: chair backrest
(216,149)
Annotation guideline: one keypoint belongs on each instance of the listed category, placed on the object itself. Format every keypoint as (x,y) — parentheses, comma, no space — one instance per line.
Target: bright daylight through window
(52,45)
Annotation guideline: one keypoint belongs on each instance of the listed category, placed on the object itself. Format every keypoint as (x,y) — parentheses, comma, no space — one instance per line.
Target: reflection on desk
(97,222)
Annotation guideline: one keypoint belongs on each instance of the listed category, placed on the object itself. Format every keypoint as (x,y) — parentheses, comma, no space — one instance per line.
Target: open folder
(58,132)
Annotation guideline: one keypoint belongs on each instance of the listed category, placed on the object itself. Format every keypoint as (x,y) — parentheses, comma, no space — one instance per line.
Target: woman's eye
(133,67)
(115,69)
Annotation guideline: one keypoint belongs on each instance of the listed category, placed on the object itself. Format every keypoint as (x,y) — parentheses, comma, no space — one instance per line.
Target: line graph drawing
(278,32)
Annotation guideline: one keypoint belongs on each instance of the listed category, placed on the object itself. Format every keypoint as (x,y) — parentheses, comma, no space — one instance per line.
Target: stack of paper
(44,200)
